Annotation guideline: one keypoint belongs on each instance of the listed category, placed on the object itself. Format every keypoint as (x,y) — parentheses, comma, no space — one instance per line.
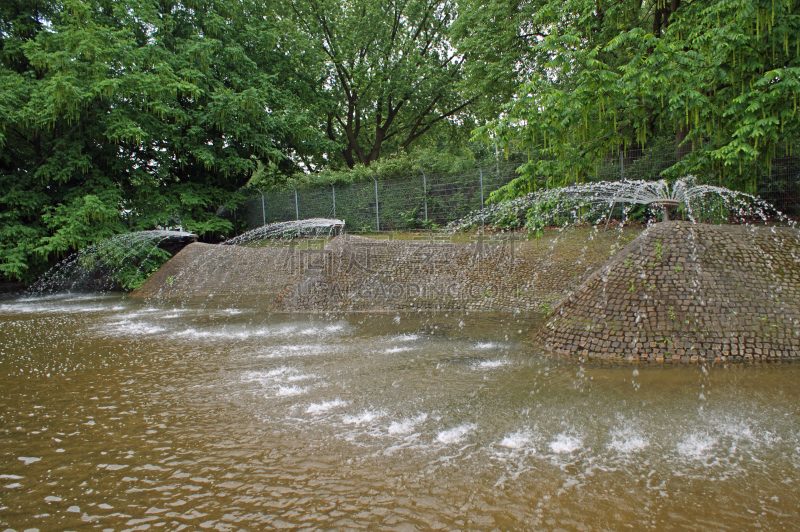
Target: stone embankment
(352,273)
(688,292)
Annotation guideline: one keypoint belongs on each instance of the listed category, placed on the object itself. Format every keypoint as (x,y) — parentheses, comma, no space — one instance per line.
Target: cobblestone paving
(688,292)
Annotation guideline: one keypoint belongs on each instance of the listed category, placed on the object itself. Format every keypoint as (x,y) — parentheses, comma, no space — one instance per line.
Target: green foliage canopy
(720,77)
(118,116)
(389,72)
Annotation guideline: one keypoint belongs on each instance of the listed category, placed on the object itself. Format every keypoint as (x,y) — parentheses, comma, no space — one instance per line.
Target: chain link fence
(426,201)
(416,202)
(779,186)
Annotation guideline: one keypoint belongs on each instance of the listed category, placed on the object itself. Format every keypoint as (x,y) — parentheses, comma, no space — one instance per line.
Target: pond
(124,415)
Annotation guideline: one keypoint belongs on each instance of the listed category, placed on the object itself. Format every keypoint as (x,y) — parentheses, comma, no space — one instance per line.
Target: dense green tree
(388,71)
(721,78)
(130,115)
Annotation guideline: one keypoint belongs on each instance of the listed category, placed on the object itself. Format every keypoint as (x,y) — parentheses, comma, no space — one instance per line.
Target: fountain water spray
(594,202)
(123,260)
(312,227)
(126,260)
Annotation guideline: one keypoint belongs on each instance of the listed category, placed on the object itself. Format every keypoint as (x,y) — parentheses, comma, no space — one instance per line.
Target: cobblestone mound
(687,292)
(352,273)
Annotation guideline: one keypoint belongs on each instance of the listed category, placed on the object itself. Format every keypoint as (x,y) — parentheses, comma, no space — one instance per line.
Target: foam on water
(518,440)
(407,425)
(289,391)
(261,377)
(301,377)
(456,434)
(367,416)
(128,327)
(46,301)
(407,337)
(728,440)
(325,406)
(295,350)
(279,372)
(565,444)
(741,430)
(487,345)
(279,377)
(79,297)
(491,364)
(36,308)
(627,440)
(696,446)
(393,350)
(144,313)
(242,332)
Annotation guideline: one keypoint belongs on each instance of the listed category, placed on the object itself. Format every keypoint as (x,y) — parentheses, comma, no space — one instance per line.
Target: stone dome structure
(683,291)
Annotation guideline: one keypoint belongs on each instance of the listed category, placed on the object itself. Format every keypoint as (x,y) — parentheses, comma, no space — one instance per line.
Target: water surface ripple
(118,415)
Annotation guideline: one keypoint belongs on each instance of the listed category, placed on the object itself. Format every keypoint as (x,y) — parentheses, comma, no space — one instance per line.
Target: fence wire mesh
(410,203)
(429,200)
(779,185)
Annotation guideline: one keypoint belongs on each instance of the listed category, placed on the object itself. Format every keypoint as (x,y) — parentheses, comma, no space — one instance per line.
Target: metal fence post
(263,211)
(621,167)
(333,188)
(296,205)
(425,192)
(480,176)
(377,215)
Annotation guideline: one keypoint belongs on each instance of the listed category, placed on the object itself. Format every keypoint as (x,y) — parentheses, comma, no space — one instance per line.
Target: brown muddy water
(120,415)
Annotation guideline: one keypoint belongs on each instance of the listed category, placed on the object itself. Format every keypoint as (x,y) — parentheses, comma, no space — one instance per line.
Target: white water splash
(696,445)
(456,434)
(407,425)
(365,417)
(565,443)
(486,345)
(627,441)
(518,440)
(319,408)
(393,350)
(491,364)
(290,391)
